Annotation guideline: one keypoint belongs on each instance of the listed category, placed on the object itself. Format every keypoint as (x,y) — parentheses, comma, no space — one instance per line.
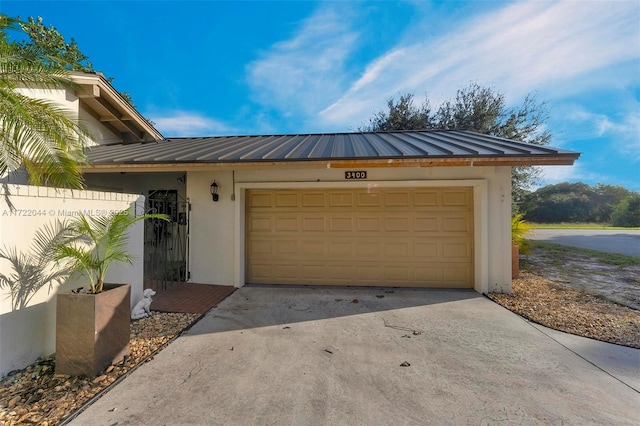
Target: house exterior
(414,209)
(417,209)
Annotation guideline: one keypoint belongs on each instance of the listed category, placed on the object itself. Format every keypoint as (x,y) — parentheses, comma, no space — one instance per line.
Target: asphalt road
(610,241)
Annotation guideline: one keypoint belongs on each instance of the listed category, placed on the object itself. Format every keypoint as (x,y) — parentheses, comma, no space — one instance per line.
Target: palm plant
(93,244)
(45,139)
(519,229)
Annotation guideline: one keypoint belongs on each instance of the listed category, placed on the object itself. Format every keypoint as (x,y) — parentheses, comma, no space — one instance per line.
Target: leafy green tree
(606,197)
(34,133)
(47,46)
(403,114)
(573,202)
(627,212)
(478,109)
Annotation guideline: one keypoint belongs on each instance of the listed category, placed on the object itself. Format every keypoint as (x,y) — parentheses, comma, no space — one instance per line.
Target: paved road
(610,241)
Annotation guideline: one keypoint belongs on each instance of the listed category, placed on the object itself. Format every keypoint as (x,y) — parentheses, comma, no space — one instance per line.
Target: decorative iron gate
(166,242)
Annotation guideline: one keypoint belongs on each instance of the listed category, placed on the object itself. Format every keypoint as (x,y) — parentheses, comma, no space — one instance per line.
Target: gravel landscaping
(551,295)
(36,396)
(574,311)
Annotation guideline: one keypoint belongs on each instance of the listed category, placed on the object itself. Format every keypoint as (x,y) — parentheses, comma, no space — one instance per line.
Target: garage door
(410,237)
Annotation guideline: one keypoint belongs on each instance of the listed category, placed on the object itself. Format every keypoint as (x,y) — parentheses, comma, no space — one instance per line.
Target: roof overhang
(332,164)
(111,109)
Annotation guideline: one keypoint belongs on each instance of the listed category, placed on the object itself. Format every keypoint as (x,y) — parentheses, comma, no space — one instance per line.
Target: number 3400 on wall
(359,174)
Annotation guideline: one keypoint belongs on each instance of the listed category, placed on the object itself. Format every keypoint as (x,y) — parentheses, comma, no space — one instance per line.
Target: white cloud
(298,75)
(558,174)
(183,123)
(623,134)
(519,49)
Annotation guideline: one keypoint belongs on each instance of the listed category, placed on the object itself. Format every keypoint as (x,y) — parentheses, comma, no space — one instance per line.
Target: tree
(563,202)
(573,202)
(606,198)
(478,109)
(627,212)
(34,133)
(47,46)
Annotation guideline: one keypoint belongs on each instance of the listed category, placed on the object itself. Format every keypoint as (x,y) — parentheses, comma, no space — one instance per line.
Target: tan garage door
(410,237)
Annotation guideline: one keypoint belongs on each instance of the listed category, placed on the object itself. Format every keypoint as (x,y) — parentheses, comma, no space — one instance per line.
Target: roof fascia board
(560,160)
(99,87)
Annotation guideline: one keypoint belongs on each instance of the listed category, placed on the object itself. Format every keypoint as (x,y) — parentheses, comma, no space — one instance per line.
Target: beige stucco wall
(67,100)
(138,183)
(29,331)
(217,229)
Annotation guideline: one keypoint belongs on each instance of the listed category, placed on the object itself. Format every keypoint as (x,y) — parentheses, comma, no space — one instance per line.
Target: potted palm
(92,323)
(519,229)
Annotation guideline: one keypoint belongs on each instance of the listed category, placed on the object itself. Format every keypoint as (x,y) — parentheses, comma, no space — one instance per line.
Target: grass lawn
(577,226)
(561,252)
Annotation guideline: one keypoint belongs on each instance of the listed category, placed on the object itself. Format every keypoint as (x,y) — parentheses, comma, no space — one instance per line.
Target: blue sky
(201,68)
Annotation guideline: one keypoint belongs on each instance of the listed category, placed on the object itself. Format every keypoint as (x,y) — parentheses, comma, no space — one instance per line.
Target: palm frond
(99,242)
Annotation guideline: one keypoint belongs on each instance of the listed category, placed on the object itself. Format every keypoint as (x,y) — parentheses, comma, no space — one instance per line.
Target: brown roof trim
(100,95)
(562,160)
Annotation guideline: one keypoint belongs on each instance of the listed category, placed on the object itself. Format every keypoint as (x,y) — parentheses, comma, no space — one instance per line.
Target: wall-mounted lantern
(214,191)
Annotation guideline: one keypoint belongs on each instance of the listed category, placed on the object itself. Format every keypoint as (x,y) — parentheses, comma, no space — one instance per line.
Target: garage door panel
(425,250)
(312,248)
(391,237)
(338,249)
(287,199)
(426,224)
(258,223)
(286,223)
(369,199)
(314,199)
(456,223)
(340,199)
(260,199)
(369,223)
(397,199)
(425,198)
(461,198)
(456,250)
(312,224)
(397,223)
(341,224)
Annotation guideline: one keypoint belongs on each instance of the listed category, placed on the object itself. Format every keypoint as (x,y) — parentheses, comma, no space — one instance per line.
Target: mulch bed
(577,312)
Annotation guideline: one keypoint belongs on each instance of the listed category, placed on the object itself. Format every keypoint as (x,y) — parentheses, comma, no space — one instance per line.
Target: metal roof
(421,146)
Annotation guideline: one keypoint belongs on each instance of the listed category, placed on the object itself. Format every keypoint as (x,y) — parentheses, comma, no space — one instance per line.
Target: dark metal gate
(166,242)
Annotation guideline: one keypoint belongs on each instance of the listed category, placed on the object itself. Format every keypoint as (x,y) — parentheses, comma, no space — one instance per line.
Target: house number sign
(358,174)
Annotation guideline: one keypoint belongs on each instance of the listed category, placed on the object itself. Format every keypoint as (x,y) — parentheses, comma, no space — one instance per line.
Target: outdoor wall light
(214,191)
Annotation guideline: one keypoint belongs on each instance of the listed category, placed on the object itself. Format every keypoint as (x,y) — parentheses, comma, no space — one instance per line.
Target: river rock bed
(36,396)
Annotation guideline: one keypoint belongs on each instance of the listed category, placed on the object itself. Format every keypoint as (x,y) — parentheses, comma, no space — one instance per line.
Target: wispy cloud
(520,48)
(183,123)
(577,172)
(623,134)
(306,72)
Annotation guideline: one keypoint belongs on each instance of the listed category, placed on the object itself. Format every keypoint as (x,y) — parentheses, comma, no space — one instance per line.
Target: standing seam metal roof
(330,146)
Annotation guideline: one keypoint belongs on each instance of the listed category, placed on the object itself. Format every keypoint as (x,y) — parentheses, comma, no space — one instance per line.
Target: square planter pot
(92,330)
(515,262)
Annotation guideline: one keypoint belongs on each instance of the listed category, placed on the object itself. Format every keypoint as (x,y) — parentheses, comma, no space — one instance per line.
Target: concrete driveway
(305,356)
(607,240)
